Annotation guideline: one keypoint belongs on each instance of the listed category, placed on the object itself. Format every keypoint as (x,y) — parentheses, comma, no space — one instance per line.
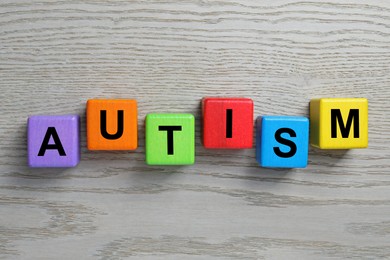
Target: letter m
(345,129)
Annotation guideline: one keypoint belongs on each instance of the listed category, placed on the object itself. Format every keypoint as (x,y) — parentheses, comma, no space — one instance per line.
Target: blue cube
(282,141)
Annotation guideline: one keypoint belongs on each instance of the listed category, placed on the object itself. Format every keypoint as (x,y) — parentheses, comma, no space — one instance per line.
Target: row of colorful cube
(281,141)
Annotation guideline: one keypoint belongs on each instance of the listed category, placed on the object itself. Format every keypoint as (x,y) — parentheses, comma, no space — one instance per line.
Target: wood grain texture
(55,55)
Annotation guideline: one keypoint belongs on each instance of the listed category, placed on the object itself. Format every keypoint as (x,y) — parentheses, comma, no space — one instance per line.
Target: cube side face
(227,123)
(284,141)
(170,139)
(53,141)
(258,139)
(112,124)
(315,122)
(343,123)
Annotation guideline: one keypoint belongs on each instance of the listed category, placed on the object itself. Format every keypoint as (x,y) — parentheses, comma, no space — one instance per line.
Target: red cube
(227,123)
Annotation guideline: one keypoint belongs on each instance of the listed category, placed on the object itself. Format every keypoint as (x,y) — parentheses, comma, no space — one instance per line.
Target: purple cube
(53,141)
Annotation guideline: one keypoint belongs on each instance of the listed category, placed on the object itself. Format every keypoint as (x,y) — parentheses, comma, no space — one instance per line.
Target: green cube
(170,139)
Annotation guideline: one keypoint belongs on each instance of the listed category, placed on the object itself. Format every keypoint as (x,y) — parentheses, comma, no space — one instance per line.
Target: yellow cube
(339,123)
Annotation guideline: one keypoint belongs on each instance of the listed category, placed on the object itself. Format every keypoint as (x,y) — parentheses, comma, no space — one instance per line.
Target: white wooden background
(54,55)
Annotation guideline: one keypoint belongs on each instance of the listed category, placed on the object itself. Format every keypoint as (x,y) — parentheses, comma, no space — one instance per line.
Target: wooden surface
(54,55)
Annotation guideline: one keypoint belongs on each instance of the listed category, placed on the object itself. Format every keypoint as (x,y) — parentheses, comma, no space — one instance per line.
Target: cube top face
(339,123)
(53,141)
(112,124)
(282,141)
(170,139)
(227,123)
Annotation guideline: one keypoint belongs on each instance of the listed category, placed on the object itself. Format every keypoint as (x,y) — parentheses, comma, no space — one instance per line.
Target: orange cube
(112,124)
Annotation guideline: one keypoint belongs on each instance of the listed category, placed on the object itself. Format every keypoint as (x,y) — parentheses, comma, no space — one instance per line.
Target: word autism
(281,141)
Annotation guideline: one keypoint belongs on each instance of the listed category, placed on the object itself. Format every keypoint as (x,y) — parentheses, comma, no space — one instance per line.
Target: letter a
(51,132)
